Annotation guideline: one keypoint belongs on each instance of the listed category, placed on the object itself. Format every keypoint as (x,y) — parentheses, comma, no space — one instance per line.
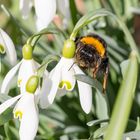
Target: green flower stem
(37,36)
(124,101)
(48,59)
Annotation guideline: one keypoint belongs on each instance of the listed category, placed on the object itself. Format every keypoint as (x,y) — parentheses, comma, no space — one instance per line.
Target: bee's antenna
(72,65)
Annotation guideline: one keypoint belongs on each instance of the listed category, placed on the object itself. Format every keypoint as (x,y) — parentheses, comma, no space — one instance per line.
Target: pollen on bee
(95,43)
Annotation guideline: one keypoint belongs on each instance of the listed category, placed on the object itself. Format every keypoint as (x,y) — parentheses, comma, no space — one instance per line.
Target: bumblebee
(91,53)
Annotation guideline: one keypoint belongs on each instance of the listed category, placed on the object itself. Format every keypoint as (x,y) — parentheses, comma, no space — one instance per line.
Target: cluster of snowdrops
(39,91)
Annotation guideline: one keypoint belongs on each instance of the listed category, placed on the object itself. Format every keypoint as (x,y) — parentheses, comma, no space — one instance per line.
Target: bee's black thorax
(86,56)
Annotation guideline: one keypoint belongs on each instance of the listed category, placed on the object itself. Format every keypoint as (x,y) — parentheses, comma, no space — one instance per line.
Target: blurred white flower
(45,10)
(7,46)
(25,110)
(62,77)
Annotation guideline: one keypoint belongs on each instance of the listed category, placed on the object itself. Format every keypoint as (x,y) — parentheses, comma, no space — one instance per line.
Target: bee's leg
(95,71)
(105,78)
(96,68)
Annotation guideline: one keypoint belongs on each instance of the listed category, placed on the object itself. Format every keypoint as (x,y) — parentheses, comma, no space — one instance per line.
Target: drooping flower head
(63,78)
(27,67)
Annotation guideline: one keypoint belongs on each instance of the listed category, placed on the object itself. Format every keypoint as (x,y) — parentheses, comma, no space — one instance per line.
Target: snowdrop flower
(27,67)
(25,110)
(45,10)
(62,77)
(7,46)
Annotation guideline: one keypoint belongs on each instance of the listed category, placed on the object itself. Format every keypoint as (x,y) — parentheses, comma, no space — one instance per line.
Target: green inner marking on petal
(67,84)
(19,82)
(18,114)
(2,50)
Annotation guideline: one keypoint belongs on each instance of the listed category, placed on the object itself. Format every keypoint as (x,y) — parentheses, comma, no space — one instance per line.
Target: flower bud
(69,49)
(27,52)
(2,49)
(32,84)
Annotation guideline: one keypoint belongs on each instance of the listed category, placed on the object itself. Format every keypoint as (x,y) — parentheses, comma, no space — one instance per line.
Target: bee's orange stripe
(95,43)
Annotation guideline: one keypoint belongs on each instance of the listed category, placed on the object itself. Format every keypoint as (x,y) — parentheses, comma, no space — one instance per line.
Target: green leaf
(74,129)
(124,101)
(8,113)
(4,97)
(120,6)
(100,132)
(87,79)
(102,108)
(134,135)
(135,10)
(124,66)
(73,11)
(96,122)
(138,124)
(11,132)
(6,116)
(48,59)
(8,13)
(89,17)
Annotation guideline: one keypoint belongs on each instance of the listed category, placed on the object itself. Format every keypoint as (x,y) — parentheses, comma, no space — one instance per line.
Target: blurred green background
(65,119)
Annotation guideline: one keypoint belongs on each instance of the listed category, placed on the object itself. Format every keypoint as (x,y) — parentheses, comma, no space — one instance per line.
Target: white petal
(27,69)
(25,7)
(63,7)
(61,92)
(7,43)
(46,87)
(8,79)
(45,11)
(85,92)
(29,120)
(8,103)
(55,76)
